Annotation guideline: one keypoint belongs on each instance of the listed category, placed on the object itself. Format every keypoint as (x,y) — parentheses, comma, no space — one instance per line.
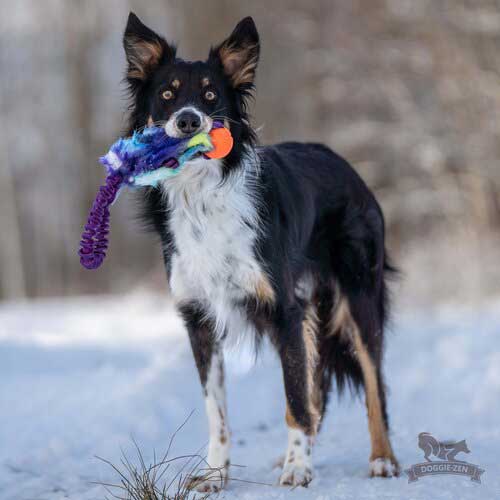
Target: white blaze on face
(172,130)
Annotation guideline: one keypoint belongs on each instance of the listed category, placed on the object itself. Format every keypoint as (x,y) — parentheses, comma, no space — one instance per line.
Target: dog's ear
(239,54)
(145,50)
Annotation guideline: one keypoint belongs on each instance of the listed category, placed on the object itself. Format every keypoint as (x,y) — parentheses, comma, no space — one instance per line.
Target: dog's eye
(167,95)
(210,95)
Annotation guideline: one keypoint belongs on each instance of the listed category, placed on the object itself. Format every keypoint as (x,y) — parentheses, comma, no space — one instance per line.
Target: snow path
(79,377)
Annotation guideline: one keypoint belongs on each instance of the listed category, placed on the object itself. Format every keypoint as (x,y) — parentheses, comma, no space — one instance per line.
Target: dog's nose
(188,122)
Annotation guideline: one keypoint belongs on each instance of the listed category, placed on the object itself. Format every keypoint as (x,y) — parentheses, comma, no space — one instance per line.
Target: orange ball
(222,141)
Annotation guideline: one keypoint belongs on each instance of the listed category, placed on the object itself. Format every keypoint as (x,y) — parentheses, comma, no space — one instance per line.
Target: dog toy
(144,159)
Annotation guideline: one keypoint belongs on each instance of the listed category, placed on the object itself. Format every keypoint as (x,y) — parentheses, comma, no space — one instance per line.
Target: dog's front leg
(210,362)
(297,349)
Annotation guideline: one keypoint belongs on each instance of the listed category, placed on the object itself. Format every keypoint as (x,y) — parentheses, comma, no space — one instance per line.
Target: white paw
(296,475)
(205,486)
(213,481)
(214,475)
(297,470)
(384,467)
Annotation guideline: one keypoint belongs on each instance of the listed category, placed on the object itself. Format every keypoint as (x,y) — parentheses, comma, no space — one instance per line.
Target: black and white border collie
(285,241)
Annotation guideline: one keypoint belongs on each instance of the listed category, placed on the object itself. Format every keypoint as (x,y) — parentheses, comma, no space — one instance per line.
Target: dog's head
(184,97)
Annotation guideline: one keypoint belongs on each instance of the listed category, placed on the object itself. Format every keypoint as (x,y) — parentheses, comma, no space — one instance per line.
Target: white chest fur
(214,225)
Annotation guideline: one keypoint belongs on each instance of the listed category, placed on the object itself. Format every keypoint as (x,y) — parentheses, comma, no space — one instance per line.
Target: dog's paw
(296,475)
(297,470)
(211,482)
(384,467)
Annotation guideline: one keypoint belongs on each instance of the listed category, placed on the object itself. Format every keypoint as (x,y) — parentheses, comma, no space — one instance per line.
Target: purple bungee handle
(94,242)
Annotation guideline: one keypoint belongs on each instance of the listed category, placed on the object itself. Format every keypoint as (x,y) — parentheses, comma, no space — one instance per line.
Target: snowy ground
(79,377)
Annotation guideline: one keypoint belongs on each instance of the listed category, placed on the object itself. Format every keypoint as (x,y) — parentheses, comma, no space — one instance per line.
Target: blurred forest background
(408,91)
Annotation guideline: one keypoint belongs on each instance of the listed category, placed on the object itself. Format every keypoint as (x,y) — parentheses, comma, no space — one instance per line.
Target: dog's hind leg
(210,362)
(296,342)
(382,460)
(366,336)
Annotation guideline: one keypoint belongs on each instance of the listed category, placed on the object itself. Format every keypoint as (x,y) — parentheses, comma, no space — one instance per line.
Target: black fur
(201,336)
(321,217)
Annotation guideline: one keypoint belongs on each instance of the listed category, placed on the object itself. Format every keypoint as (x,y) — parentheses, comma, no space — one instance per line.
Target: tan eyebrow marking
(205,81)
(176,83)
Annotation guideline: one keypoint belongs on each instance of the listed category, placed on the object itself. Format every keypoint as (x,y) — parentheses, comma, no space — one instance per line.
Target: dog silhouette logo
(445,459)
(443,450)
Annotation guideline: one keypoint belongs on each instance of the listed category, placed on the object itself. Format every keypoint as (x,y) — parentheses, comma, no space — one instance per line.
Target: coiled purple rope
(94,242)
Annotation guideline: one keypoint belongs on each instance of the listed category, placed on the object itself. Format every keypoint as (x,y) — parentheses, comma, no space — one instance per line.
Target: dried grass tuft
(153,481)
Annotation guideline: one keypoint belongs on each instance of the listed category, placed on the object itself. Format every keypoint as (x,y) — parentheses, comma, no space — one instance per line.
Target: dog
(284,241)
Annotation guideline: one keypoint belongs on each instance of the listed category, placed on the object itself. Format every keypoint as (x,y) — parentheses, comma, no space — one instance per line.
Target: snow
(81,377)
